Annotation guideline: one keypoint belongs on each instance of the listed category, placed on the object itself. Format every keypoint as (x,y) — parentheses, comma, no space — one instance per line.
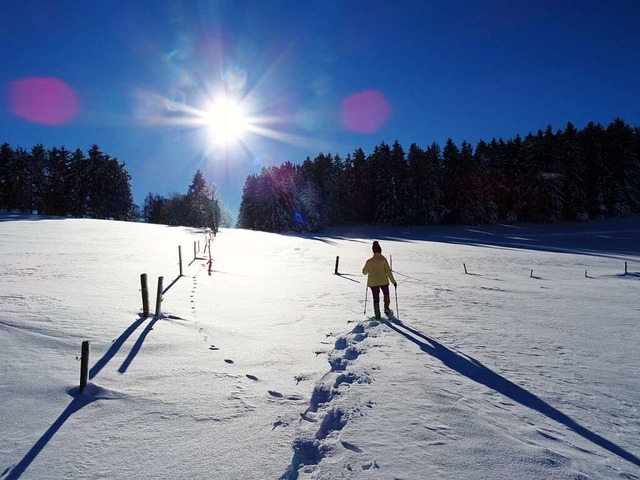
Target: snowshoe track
(323,420)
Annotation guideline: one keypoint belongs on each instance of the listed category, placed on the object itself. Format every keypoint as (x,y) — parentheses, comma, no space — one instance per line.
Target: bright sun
(226,120)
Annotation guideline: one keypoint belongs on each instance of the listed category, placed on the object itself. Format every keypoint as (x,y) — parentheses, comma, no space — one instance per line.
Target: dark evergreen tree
(276,210)
(57,175)
(37,163)
(592,139)
(109,192)
(199,206)
(393,206)
(338,194)
(498,185)
(452,173)
(621,179)
(79,185)
(418,188)
(324,181)
(96,178)
(176,210)
(573,173)
(122,201)
(359,184)
(152,207)
(249,204)
(19,185)
(473,202)
(432,204)
(381,184)
(544,175)
(6,157)
(483,182)
(515,171)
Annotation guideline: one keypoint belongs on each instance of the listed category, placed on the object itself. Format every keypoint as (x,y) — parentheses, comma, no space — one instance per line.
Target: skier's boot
(387,311)
(376,311)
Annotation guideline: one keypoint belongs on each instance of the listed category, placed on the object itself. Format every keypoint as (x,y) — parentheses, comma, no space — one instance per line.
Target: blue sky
(138,78)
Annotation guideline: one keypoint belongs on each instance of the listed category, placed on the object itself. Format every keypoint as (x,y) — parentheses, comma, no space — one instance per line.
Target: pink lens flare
(366,111)
(45,100)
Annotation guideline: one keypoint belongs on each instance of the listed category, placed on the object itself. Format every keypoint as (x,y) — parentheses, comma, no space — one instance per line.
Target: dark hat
(376,247)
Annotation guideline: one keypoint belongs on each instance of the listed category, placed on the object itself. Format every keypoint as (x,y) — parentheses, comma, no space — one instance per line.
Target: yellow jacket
(378,271)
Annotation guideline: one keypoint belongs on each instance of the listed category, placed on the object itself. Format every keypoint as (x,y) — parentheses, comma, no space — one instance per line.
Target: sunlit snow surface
(525,367)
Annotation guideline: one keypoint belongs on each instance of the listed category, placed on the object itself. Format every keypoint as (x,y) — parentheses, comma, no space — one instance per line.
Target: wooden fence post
(625,268)
(337,261)
(180,258)
(145,295)
(159,296)
(84,365)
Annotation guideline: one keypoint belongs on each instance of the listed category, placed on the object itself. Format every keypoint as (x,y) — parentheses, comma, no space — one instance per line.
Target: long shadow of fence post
(346,277)
(476,371)
(80,401)
(171,285)
(137,346)
(115,346)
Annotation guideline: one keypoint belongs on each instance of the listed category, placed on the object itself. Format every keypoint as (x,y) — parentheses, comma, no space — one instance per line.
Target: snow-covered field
(526,367)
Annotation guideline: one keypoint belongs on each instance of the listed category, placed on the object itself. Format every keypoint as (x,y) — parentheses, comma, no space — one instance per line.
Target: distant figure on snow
(379,273)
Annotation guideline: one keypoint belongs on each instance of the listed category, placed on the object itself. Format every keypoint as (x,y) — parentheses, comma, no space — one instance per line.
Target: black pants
(375,291)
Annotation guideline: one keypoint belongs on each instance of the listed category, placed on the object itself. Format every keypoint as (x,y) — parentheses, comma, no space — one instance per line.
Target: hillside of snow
(526,366)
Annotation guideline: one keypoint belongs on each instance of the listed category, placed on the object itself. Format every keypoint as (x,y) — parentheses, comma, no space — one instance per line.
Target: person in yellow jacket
(378,274)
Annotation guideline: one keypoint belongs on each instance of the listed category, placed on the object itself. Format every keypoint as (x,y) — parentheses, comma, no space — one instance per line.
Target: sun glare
(226,120)
(227,116)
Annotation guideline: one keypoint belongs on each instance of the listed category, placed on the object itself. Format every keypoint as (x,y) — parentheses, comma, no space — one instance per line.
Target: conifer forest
(545,177)
(63,183)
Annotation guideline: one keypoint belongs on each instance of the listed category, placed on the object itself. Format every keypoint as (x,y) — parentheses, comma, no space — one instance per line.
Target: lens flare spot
(173,53)
(298,219)
(44,100)
(365,112)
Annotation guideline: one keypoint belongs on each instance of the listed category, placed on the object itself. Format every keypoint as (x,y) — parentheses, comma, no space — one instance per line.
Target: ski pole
(366,290)
(395,287)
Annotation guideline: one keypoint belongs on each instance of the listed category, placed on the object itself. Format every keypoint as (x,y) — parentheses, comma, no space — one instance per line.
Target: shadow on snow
(91,393)
(611,237)
(476,371)
(346,276)
(80,400)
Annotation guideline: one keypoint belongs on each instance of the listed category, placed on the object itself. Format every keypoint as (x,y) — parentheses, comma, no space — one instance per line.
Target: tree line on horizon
(201,206)
(63,183)
(545,177)
(66,183)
